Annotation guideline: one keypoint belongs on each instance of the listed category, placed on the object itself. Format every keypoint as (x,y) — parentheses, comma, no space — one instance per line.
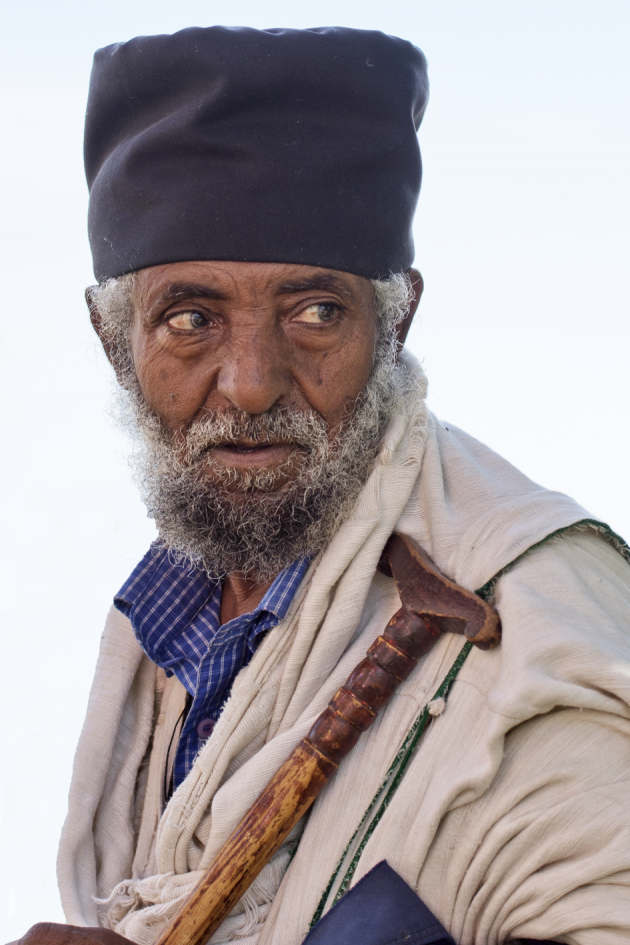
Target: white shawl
(513,817)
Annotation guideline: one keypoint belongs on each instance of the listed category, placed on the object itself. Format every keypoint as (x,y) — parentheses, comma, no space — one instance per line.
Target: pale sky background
(522,236)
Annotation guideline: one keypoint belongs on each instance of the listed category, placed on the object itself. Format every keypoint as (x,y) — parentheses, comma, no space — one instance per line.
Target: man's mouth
(248,453)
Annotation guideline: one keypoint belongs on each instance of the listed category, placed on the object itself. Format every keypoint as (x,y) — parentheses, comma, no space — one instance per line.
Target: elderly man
(252,194)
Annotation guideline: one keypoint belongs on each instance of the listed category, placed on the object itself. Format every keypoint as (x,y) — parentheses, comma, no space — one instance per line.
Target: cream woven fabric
(513,818)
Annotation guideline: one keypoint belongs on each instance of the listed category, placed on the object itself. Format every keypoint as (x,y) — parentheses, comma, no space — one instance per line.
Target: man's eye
(186,321)
(318,314)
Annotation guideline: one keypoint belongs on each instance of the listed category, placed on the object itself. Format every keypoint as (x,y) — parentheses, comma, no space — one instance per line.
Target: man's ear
(417,284)
(97,325)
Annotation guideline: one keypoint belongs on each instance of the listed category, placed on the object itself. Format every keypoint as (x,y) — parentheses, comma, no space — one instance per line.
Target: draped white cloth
(513,819)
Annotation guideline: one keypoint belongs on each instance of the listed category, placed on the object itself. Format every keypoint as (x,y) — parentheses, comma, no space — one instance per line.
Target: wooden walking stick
(431,604)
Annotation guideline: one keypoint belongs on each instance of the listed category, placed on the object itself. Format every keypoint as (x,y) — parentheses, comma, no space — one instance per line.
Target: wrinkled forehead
(249,283)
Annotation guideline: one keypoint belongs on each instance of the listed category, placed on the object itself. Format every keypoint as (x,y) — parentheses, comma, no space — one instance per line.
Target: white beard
(240,520)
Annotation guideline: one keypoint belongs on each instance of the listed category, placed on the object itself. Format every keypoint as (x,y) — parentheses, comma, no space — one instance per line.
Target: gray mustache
(305,429)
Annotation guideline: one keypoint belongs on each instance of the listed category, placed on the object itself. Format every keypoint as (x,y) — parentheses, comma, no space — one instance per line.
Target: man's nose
(255,374)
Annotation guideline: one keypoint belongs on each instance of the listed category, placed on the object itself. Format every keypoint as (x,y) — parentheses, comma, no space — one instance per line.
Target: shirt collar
(163,598)
(278,597)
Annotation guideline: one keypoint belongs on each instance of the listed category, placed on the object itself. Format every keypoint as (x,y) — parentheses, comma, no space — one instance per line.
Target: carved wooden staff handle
(431,604)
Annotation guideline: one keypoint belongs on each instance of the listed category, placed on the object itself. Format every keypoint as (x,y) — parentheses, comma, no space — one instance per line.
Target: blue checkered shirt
(175,614)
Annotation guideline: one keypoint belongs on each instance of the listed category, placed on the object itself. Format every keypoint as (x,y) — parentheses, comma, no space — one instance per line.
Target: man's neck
(240,595)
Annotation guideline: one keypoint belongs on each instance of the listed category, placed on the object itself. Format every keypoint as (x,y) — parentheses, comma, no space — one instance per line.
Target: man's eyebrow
(188,290)
(321,282)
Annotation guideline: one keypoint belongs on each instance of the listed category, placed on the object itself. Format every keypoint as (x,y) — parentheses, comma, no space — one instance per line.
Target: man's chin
(236,490)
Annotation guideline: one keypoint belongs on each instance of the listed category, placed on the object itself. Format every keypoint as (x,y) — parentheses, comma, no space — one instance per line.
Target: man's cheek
(171,390)
(332,387)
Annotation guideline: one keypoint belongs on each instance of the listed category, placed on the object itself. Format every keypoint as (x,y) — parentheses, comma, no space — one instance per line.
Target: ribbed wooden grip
(388,662)
(370,685)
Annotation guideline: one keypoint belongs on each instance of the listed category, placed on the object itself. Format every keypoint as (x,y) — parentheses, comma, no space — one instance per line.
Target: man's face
(218,337)
(257,396)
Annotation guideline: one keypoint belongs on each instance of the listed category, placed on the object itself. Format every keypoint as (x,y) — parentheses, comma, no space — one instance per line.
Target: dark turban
(290,146)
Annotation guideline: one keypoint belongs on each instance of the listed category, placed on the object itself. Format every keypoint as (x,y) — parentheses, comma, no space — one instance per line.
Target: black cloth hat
(277,145)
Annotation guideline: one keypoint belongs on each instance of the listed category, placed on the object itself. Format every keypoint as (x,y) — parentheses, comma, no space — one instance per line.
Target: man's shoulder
(474,513)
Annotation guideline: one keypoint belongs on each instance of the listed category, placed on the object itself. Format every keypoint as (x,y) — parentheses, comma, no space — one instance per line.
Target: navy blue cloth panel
(383,910)
(380,910)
